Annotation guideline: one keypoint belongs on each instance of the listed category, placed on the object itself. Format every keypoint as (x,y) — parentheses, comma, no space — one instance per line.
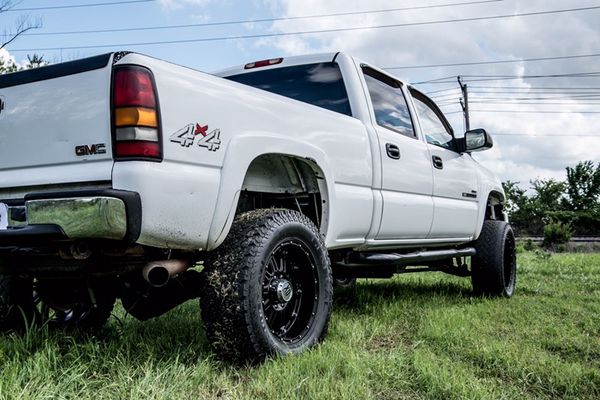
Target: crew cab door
(407,181)
(454,174)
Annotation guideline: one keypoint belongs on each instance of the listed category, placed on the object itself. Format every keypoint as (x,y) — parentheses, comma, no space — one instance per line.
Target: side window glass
(434,129)
(389,104)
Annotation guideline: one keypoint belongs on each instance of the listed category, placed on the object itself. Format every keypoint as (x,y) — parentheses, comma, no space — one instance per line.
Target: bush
(556,233)
(529,245)
(583,223)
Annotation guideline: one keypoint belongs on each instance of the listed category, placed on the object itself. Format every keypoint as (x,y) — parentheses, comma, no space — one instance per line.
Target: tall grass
(418,336)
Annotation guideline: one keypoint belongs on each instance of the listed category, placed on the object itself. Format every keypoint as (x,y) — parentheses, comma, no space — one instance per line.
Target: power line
(594,74)
(518,90)
(441,91)
(499,96)
(583,97)
(537,112)
(547,135)
(112,3)
(261,20)
(539,92)
(520,103)
(333,30)
(499,61)
(533,88)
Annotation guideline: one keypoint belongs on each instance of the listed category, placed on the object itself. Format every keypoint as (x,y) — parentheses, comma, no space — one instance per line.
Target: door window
(435,130)
(389,104)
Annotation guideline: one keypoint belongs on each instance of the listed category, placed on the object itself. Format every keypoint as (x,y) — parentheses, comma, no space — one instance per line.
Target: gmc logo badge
(94,149)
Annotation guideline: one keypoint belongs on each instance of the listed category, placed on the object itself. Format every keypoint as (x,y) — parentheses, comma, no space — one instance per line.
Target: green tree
(35,61)
(547,196)
(583,187)
(516,199)
(7,66)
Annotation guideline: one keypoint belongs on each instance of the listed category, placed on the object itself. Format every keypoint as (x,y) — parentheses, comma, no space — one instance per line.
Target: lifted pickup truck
(257,190)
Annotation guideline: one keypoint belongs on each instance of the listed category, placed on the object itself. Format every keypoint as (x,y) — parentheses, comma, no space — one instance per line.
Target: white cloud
(516,158)
(6,56)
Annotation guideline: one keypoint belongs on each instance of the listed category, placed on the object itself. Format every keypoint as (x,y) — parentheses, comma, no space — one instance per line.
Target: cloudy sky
(557,122)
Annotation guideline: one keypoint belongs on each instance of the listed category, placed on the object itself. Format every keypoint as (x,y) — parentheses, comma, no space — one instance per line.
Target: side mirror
(478,140)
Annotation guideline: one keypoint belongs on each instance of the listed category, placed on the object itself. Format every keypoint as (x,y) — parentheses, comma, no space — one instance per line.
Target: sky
(552,128)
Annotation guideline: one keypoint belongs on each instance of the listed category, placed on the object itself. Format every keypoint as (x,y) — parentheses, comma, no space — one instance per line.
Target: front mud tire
(267,288)
(494,267)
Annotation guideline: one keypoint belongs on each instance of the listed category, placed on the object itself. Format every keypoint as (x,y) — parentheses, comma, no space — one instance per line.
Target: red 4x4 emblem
(187,136)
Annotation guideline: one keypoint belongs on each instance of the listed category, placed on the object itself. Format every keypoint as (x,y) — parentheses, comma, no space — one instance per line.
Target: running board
(382,265)
(369,259)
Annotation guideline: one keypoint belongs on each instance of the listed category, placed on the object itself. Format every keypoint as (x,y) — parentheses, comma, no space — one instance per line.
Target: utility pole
(464,102)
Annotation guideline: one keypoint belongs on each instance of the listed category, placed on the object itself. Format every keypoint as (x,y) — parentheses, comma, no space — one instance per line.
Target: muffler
(158,273)
(145,302)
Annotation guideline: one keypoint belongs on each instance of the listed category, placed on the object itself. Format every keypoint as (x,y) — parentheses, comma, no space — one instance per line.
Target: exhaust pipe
(158,273)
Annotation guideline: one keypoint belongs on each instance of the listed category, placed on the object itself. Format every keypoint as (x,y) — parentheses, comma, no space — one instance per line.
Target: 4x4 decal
(187,136)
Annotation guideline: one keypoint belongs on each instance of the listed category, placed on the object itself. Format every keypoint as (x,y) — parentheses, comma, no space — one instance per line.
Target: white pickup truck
(256,190)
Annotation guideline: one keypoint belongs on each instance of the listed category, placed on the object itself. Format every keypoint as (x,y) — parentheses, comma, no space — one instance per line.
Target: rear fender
(244,149)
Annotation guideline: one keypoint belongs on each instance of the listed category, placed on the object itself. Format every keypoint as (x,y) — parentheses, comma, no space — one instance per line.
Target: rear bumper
(88,214)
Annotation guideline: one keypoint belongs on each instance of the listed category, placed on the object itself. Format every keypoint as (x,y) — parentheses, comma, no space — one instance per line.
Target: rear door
(55,124)
(406,168)
(454,175)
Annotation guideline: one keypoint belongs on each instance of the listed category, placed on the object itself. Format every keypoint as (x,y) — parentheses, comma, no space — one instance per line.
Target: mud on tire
(267,288)
(494,267)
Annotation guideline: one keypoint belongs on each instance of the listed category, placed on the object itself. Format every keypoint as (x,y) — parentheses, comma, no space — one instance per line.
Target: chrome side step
(385,265)
(366,259)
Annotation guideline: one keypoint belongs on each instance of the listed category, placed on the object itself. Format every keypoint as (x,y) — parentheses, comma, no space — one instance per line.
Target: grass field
(416,336)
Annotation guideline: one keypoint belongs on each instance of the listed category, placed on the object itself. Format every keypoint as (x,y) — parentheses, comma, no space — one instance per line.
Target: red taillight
(133,87)
(135,116)
(138,149)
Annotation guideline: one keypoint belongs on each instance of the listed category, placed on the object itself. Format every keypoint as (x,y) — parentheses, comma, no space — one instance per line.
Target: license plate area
(3,217)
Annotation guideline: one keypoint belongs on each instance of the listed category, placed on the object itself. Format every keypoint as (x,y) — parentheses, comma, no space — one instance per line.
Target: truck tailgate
(55,124)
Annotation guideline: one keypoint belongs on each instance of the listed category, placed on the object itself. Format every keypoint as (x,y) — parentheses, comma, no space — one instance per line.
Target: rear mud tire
(17,310)
(267,288)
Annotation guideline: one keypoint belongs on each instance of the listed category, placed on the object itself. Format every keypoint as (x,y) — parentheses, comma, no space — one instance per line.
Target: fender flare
(241,152)
(488,190)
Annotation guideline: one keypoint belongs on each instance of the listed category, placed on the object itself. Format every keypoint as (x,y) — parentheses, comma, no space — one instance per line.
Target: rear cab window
(319,84)
(435,127)
(389,104)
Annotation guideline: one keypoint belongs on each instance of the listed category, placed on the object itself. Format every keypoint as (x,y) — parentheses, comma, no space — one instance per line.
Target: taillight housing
(135,115)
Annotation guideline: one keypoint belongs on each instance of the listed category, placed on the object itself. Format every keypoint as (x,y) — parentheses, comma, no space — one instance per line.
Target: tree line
(572,205)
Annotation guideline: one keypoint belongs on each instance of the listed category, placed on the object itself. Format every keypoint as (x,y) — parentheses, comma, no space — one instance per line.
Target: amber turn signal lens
(135,116)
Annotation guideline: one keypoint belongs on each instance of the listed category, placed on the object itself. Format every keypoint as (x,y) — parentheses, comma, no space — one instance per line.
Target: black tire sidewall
(299,232)
(488,265)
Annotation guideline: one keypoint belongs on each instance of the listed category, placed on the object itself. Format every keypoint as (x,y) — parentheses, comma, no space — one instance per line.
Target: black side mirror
(477,140)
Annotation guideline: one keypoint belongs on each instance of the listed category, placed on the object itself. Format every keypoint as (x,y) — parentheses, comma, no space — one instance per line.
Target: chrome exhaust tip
(158,273)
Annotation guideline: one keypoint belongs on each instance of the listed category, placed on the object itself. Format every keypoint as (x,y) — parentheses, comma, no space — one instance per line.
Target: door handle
(392,151)
(437,162)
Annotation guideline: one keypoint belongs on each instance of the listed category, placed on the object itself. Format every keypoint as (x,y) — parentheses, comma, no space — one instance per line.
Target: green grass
(416,336)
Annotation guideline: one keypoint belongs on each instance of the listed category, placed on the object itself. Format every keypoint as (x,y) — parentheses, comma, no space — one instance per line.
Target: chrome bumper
(96,217)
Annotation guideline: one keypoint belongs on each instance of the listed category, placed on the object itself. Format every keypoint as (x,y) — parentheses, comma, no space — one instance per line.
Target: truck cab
(427,189)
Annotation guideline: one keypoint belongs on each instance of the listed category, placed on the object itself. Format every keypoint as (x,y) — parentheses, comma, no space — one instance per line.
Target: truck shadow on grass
(368,295)
(179,337)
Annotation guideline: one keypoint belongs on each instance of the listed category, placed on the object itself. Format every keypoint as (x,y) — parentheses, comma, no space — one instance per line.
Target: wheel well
(283,181)
(495,207)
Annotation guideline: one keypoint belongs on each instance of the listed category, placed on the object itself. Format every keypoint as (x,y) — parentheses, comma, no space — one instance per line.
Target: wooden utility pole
(464,102)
